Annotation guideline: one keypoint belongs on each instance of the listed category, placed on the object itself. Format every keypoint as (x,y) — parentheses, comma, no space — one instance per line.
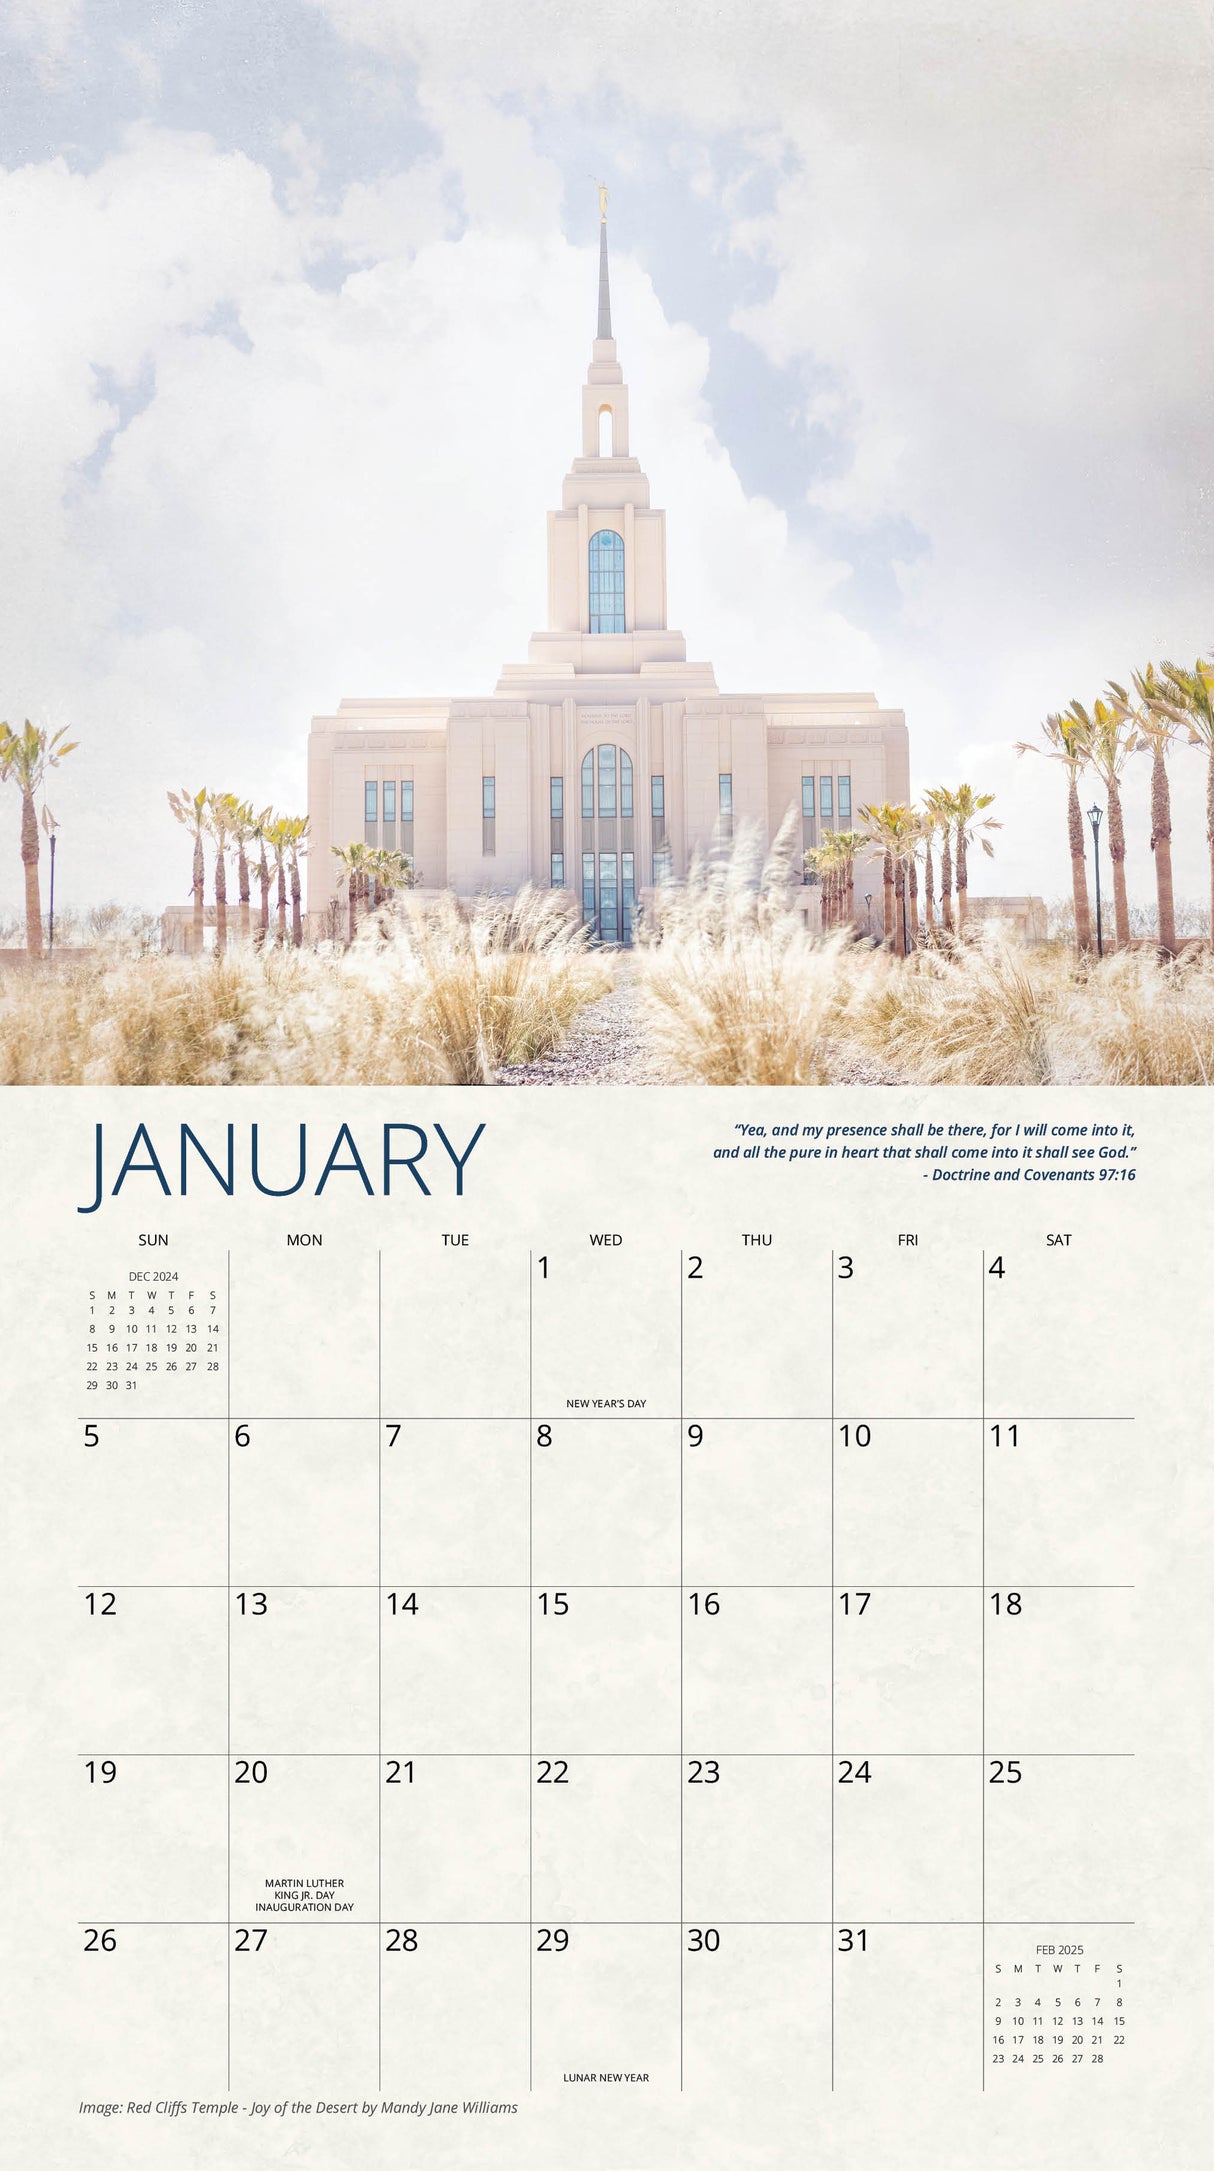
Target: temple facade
(599,765)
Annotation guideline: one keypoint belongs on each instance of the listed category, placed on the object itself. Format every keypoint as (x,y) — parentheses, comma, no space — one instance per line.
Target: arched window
(588,787)
(625,786)
(607,582)
(606,433)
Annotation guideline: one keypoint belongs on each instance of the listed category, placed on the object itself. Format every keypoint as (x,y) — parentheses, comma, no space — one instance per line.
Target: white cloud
(47,27)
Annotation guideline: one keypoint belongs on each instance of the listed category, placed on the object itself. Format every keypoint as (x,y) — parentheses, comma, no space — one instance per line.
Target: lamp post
(868,912)
(1095,817)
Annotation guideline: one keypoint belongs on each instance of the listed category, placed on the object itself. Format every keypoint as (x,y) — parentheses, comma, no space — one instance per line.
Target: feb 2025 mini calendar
(568,1644)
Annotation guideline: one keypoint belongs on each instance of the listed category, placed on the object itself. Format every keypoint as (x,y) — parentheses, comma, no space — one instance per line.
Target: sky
(913,299)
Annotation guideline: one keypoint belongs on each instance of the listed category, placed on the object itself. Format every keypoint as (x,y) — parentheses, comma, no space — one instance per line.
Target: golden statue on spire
(602,189)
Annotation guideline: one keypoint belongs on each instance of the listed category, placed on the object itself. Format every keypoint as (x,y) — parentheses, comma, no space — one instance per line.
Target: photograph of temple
(602,763)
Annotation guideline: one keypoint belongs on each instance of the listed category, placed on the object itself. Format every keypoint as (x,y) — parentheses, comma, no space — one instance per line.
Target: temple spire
(604,330)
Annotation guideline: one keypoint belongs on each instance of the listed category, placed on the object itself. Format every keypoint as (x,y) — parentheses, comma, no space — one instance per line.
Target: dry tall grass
(441,998)
(737,992)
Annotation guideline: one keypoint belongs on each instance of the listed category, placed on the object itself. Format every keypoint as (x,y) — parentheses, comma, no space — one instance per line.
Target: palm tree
(278,837)
(841,848)
(296,842)
(969,827)
(1068,742)
(877,831)
(243,822)
(260,832)
(219,806)
(1193,694)
(939,804)
(25,757)
(1155,719)
(191,810)
(355,859)
(894,830)
(1111,741)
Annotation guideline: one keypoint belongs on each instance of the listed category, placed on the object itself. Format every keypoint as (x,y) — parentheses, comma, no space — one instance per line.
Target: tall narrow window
(725,802)
(556,797)
(389,799)
(826,798)
(628,893)
(606,434)
(558,871)
(606,582)
(488,798)
(657,798)
(588,888)
(625,786)
(845,799)
(588,788)
(371,800)
(607,783)
(406,799)
(609,898)
(807,798)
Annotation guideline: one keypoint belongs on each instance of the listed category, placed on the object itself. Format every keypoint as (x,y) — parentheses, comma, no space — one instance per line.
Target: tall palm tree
(219,806)
(355,859)
(1068,742)
(846,846)
(1155,719)
(894,830)
(1193,693)
(939,803)
(278,837)
(25,757)
(243,823)
(929,822)
(878,832)
(190,809)
(296,842)
(260,832)
(1111,741)
(969,827)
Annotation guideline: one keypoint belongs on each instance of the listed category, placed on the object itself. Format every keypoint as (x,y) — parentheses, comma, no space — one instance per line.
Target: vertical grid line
(379,1666)
(682,1632)
(530,1666)
(832,1671)
(982,1600)
(228,1626)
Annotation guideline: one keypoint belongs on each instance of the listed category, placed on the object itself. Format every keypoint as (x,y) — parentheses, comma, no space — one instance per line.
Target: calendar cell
(303,1669)
(177,1471)
(304,1839)
(905,2009)
(304,2009)
(756,1330)
(908,1501)
(454,2010)
(150,2000)
(605,1671)
(756,1839)
(423,1800)
(440,1305)
(756,1670)
(151,1667)
(605,1330)
(1064,1502)
(907,1329)
(606,1839)
(757,2007)
(454,1501)
(1061,1671)
(605,1502)
(454,1670)
(606,2001)
(908,1838)
(756,1500)
(151,1842)
(908,1670)
(1059,1838)
(1034,1306)
(304,1501)
(304,1331)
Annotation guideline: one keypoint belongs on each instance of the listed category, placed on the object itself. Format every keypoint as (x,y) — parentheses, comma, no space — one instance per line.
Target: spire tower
(604,331)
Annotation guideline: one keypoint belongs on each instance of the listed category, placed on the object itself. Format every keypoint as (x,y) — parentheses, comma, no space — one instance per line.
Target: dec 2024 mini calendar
(554,1630)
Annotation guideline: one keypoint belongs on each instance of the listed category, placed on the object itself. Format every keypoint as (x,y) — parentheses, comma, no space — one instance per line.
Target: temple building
(599,765)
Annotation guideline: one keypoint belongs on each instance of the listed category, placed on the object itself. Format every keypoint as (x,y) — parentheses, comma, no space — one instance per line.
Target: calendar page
(614,1629)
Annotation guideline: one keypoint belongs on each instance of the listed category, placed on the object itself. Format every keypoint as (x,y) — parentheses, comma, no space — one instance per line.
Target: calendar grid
(228,1626)
(832,1671)
(982,1545)
(530,1667)
(379,1664)
(682,1636)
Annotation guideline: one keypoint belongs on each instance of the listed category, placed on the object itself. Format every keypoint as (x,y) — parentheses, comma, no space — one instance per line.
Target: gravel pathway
(607,1045)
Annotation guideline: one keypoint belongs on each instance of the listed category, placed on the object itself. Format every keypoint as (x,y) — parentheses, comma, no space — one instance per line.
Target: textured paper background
(1114,1326)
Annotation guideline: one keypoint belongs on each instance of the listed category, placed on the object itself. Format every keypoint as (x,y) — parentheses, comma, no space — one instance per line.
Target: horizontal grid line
(709,1751)
(857,1415)
(600,1922)
(1011,1582)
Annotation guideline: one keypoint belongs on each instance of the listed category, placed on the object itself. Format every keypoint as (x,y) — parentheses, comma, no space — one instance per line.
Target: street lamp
(1095,817)
(868,912)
